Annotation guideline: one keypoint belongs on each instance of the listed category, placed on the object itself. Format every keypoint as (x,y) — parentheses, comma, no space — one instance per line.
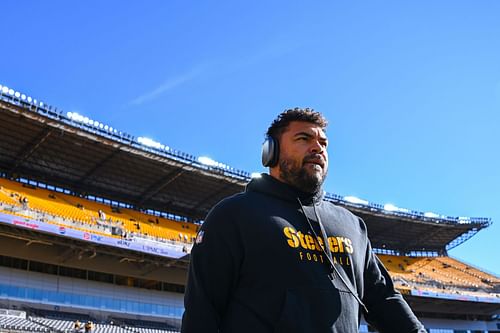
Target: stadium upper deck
(39,142)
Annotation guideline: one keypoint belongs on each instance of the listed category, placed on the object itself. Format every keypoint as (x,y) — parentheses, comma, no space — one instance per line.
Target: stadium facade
(97,225)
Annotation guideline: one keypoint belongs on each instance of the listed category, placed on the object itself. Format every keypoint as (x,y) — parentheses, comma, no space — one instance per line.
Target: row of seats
(67,325)
(55,324)
(147,330)
(21,324)
(467,271)
(93,213)
(441,273)
(46,325)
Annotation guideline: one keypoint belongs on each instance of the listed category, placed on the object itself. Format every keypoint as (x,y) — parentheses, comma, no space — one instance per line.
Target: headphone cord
(328,253)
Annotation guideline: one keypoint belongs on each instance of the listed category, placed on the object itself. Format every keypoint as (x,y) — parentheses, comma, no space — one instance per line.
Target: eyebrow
(309,135)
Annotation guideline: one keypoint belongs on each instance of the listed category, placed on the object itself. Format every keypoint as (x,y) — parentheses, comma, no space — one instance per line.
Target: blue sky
(411,89)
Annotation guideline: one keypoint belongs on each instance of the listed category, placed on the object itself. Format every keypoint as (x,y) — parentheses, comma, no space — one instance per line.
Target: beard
(300,177)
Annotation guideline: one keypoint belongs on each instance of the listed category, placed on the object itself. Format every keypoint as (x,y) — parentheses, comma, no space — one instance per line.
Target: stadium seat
(86,214)
(442,274)
(20,324)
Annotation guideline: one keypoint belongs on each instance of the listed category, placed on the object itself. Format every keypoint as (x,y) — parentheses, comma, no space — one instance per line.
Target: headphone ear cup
(270,152)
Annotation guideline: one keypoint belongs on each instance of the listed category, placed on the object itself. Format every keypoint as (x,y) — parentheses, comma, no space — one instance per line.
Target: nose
(316,147)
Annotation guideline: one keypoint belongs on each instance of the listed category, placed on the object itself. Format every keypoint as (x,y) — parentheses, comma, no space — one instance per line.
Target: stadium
(96,225)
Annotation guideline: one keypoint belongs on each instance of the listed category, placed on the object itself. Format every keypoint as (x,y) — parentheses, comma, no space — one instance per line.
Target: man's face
(303,160)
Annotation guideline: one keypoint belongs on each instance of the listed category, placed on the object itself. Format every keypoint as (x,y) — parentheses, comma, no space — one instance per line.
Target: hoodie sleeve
(213,272)
(387,310)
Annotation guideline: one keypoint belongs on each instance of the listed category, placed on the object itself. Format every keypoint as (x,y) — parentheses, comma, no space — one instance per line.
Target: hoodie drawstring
(328,254)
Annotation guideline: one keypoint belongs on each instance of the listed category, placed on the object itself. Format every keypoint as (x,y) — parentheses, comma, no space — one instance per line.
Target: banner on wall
(455,297)
(175,251)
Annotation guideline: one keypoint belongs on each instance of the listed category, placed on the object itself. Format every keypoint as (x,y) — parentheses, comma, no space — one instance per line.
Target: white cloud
(167,85)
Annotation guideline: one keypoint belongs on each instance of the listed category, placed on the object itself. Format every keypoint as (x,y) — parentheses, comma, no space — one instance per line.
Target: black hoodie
(257,267)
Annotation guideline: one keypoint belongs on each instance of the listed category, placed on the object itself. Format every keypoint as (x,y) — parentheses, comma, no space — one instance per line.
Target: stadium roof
(71,151)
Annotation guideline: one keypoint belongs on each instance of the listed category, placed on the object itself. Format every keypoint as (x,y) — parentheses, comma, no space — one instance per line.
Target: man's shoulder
(231,202)
(225,216)
(232,206)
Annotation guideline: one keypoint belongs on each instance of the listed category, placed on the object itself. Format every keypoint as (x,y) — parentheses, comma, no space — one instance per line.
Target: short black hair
(280,124)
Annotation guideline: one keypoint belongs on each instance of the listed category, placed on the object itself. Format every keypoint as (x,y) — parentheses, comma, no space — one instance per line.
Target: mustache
(313,158)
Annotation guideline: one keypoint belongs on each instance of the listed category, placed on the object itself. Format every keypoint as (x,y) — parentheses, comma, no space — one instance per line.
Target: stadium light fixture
(464,220)
(390,207)
(147,142)
(210,162)
(355,200)
(207,161)
(11,92)
(431,214)
(76,117)
(255,175)
(5,89)
(17,94)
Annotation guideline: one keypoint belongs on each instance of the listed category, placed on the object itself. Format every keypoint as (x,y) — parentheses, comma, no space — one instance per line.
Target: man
(77,326)
(88,327)
(279,258)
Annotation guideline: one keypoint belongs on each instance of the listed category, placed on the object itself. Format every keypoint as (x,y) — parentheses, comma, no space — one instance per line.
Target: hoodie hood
(271,186)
